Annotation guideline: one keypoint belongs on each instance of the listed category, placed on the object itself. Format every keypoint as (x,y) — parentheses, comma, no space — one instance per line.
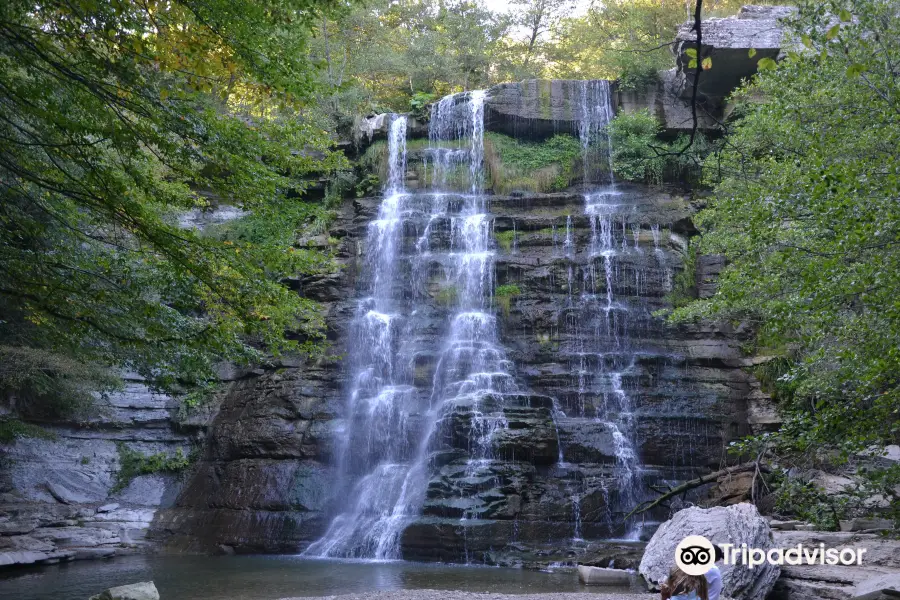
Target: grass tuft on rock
(133,464)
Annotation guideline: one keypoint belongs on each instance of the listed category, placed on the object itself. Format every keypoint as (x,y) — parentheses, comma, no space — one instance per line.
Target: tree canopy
(115,117)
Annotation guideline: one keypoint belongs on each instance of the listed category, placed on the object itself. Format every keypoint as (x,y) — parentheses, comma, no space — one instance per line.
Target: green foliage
(385,56)
(419,104)
(628,40)
(370,185)
(684,283)
(505,239)
(805,212)
(504,293)
(635,135)
(809,503)
(11,429)
(116,117)
(133,464)
(50,384)
(515,165)
(640,155)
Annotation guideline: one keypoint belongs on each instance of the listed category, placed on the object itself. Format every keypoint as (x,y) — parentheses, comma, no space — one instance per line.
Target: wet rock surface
(263,482)
(263,478)
(453,595)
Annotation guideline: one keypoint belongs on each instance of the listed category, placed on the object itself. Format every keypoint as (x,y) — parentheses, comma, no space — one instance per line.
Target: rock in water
(145,590)
(737,524)
(600,576)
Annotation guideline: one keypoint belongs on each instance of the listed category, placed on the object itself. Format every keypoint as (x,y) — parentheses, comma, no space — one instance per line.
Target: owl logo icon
(695,555)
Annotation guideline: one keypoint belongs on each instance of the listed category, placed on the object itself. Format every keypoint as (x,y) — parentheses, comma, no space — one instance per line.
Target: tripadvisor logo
(696,555)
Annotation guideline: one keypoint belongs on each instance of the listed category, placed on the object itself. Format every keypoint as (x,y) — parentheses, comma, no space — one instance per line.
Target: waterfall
(595,106)
(384,460)
(603,368)
(381,398)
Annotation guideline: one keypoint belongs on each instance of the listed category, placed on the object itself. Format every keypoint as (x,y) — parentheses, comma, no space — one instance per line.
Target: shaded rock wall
(262,482)
(56,495)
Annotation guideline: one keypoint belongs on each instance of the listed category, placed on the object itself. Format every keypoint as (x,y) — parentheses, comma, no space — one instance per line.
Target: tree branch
(695,483)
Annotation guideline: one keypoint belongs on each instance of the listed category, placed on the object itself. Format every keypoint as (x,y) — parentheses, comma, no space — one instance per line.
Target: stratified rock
(890,581)
(861,524)
(145,590)
(375,127)
(663,99)
(535,108)
(880,565)
(737,525)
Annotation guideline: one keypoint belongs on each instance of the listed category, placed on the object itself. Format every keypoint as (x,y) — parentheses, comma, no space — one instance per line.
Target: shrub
(530,166)
(133,463)
(505,239)
(504,293)
(639,154)
(12,429)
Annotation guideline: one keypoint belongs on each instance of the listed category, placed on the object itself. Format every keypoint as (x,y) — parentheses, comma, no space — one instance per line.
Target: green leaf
(692,64)
(845,15)
(855,70)
(707,63)
(833,32)
(751,52)
(766,64)
(807,41)
(692,52)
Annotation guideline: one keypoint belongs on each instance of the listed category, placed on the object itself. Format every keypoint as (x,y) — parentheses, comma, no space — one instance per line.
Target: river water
(272,577)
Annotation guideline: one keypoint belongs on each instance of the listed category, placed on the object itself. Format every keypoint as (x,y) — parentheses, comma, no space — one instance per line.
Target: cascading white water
(604,366)
(595,105)
(381,397)
(387,468)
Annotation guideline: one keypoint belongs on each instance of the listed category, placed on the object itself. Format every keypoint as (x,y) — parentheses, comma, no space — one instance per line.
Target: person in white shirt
(714,576)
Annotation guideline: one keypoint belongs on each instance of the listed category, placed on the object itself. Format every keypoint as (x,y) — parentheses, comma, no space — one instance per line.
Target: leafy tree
(387,55)
(116,116)
(805,209)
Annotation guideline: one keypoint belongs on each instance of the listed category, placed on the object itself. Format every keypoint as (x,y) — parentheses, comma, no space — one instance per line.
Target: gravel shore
(456,595)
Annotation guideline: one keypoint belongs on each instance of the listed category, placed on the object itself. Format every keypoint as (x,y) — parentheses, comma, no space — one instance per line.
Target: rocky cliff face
(262,484)
(609,398)
(59,497)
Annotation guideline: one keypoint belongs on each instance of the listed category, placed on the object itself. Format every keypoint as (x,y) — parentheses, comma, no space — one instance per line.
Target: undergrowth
(640,155)
(133,464)
(515,165)
(13,429)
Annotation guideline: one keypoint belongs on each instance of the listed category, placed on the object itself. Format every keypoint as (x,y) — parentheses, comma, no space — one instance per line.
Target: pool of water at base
(272,577)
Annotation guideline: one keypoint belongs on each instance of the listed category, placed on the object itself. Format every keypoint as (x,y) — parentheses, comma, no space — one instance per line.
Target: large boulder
(145,590)
(728,42)
(737,524)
